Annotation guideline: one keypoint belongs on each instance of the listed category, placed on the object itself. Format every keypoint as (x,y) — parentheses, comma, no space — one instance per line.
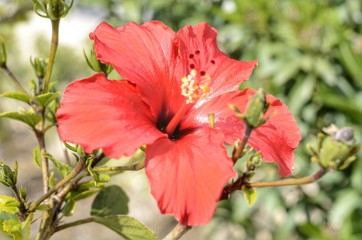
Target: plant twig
(289,182)
(76,170)
(14,79)
(53,50)
(238,149)
(73,224)
(177,232)
(134,167)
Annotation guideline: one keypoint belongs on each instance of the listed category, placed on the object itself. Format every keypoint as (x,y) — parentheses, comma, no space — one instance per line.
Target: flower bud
(39,66)
(336,149)
(2,52)
(256,109)
(7,176)
(254,162)
(94,64)
(23,192)
(53,9)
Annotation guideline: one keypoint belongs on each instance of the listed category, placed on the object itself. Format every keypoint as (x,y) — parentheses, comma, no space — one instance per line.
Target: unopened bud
(8,177)
(336,150)
(53,9)
(256,109)
(23,192)
(2,52)
(254,162)
(39,66)
(94,64)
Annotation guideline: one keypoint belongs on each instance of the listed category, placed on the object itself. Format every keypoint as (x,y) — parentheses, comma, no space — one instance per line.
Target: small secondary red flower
(174,80)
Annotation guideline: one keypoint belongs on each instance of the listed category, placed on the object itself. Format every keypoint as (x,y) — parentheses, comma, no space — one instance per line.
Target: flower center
(195,86)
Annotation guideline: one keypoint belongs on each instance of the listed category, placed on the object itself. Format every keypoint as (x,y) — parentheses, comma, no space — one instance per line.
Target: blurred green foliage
(310,56)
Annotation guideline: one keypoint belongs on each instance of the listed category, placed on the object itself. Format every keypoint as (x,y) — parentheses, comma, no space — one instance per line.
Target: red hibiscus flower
(174,80)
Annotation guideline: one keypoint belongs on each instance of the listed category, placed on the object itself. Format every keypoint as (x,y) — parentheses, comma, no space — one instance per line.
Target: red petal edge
(145,55)
(188,175)
(108,114)
(200,42)
(276,139)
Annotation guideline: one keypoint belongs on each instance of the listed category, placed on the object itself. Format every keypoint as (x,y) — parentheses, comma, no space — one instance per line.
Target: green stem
(177,232)
(238,150)
(289,182)
(14,79)
(75,223)
(76,170)
(22,206)
(53,50)
(134,167)
(44,161)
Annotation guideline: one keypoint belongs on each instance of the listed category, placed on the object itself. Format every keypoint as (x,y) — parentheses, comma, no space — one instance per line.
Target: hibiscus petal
(144,54)
(101,113)
(198,46)
(276,139)
(188,175)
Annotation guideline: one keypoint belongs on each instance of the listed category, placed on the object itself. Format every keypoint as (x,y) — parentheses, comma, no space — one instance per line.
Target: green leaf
(27,117)
(84,194)
(62,168)
(250,195)
(128,227)
(25,227)
(9,204)
(69,208)
(17,229)
(46,98)
(37,156)
(18,96)
(110,201)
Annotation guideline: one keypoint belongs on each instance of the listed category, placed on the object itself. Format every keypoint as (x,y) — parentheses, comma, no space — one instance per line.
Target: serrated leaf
(9,204)
(111,200)
(18,96)
(46,98)
(37,156)
(27,117)
(128,227)
(250,195)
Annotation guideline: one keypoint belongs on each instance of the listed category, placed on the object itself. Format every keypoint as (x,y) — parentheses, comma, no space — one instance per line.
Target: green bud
(23,192)
(94,64)
(2,52)
(7,176)
(253,162)
(336,149)
(53,9)
(256,109)
(39,66)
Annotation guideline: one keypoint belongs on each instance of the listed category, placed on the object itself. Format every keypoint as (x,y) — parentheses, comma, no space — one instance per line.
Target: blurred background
(310,56)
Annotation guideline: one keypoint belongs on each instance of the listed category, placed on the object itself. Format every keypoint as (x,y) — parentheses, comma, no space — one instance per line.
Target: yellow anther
(195,86)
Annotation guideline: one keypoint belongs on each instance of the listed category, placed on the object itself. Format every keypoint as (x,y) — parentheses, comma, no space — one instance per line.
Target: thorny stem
(177,232)
(14,79)
(76,170)
(53,50)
